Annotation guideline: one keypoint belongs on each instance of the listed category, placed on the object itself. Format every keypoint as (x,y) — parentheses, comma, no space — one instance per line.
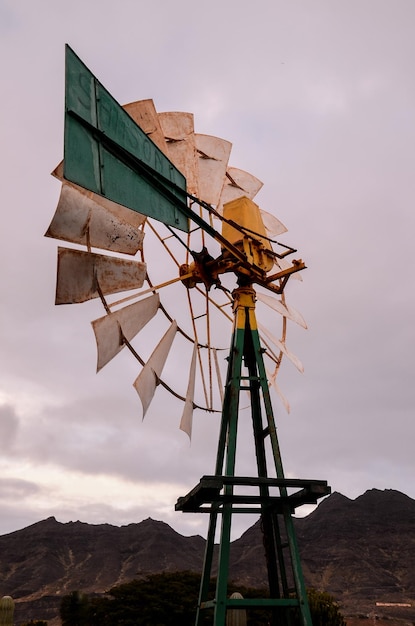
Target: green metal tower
(269,493)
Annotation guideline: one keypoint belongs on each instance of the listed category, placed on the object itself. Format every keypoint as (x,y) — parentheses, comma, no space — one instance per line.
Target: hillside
(362,551)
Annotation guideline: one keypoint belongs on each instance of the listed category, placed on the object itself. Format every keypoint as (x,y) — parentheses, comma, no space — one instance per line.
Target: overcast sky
(318,99)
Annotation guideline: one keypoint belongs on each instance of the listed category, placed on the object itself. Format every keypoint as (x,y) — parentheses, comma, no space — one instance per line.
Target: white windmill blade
(178,130)
(145,116)
(282,308)
(237,184)
(214,155)
(147,381)
(85,218)
(218,374)
(110,330)
(283,348)
(81,275)
(186,421)
(272,224)
(272,381)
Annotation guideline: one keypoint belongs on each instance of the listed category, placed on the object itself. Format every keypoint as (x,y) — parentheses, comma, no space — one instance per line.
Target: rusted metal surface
(178,130)
(145,115)
(85,218)
(213,161)
(238,183)
(82,275)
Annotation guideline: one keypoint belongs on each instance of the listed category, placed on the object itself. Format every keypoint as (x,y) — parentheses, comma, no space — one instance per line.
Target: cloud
(318,103)
(16,488)
(9,424)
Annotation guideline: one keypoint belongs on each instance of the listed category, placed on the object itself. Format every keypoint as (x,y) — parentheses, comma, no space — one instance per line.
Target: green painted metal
(281,550)
(107,153)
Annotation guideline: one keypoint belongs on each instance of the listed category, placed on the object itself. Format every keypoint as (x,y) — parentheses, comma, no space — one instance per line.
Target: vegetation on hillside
(170,600)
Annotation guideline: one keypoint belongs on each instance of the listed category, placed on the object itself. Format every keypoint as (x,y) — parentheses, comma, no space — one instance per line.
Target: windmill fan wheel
(166,297)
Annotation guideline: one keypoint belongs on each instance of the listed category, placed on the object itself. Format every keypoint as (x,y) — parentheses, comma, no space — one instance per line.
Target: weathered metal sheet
(127,322)
(272,381)
(145,115)
(213,161)
(107,153)
(284,309)
(90,220)
(178,130)
(282,347)
(238,183)
(272,224)
(80,275)
(186,421)
(146,382)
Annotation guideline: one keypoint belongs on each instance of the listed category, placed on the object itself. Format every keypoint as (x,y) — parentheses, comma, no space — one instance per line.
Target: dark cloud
(14,488)
(9,424)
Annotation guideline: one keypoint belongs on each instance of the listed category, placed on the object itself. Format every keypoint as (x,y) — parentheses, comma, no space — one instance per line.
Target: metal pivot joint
(269,493)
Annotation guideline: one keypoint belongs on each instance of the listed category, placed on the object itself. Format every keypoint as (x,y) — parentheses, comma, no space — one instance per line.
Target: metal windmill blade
(144,113)
(282,308)
(282,347)
(148,379)
(114,329)
(213,153)
(83,275)
(85,218)
(179,134)
(238,183)
(186,421)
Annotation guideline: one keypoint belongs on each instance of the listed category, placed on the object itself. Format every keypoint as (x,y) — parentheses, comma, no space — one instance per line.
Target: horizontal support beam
(208,491)
(246,603)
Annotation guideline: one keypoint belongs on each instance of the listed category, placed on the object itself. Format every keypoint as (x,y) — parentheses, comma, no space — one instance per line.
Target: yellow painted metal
(246,214)
(243,305)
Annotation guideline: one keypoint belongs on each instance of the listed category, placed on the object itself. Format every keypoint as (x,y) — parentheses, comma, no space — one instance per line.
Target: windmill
(134,181)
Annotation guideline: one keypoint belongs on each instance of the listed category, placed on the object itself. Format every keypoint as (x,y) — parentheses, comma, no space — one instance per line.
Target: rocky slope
(362,551)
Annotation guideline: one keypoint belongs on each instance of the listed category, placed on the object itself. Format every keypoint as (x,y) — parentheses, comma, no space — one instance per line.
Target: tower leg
(287,592)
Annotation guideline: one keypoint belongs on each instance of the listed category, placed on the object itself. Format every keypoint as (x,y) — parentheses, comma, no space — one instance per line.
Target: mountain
(361,551)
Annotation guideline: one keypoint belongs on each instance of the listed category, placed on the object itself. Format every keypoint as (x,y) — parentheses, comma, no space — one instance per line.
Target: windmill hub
(243,227)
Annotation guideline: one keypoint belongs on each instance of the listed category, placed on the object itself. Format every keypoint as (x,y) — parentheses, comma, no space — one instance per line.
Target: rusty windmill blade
(238,183)
(213,155)
(85,218)
(83,275)
(179,134)
(145,115)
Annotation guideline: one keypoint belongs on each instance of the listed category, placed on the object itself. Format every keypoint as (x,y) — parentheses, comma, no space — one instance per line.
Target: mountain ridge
(361,551)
